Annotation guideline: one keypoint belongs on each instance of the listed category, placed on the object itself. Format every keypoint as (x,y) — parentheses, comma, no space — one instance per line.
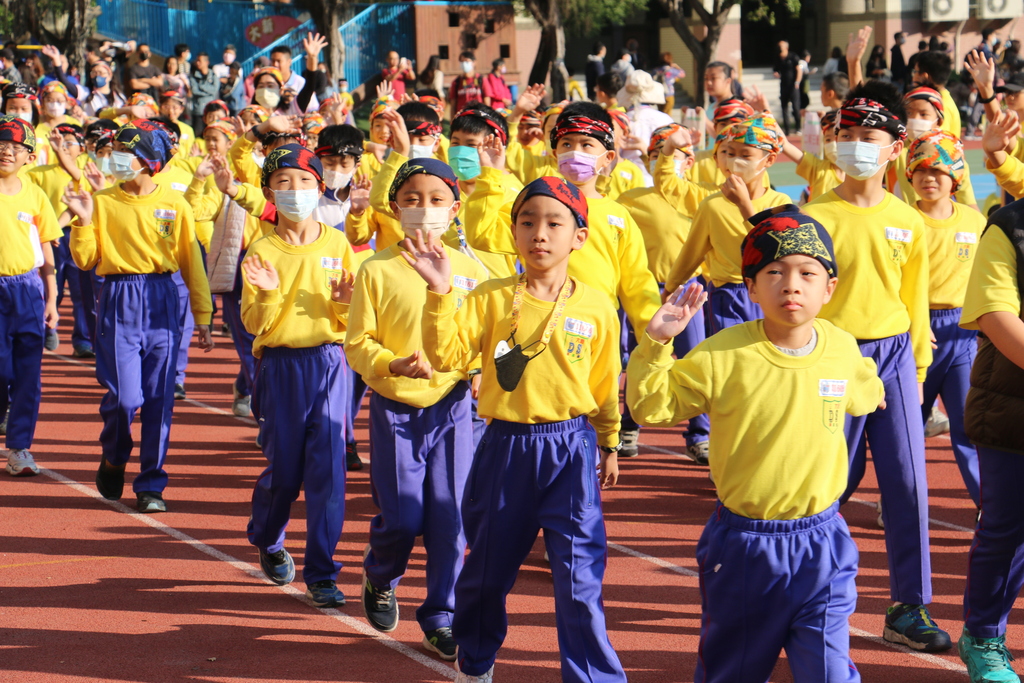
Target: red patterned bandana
(582,125)
(929,95)
(783,231)
(870,114)
(291,156)
(13,129)
(556,188)
(487,118)
(425,128)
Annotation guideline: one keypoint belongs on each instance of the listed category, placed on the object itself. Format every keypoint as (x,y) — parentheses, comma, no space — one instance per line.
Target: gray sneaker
(937,423)
(698,452)
(20,463)
(630,440)
(242,405)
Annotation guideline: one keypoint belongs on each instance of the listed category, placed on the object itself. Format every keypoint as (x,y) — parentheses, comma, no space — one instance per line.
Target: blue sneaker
(987,659)
(912,625)
(325,594)
(279,567)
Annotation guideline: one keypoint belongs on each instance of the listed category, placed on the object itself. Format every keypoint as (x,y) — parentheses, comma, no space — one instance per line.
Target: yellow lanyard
(556,314)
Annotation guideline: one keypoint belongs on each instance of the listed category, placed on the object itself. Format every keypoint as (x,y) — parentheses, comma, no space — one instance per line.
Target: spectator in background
(184,57)
(834,89)
(933,44)
(637,59)
(496,91)
(668,74)
(877,68)
(1011,62)
(106,90)
(397,72)
(595,67)
(432,77)
(172,79)
(897,64)
(623,66)
(606,90)
(223,69)
(805,71)
(281,59)
(785,69)
(204,85)
(642,97)
(468,87)
(7,68)
(232,89)
(922,47)
(832,63)
(144,76)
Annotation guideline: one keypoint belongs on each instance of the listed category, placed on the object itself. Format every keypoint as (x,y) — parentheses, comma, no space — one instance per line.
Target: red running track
(92,591)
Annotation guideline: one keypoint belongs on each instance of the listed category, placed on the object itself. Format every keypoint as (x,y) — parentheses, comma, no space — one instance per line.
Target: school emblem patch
(165,221)
(898,239)
(832,413)
(965,242)
(334,271)
(577,332)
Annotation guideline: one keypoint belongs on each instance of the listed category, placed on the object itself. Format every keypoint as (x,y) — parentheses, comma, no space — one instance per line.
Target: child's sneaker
(52,341)
(699,452)
(987,659)
(82,351)
(242,405)
(440,641)
(937,423)
(278,567)
(380,607)
(110,480)
(912,625)
(179,392)
(150,501)
(353,463)
(466,678)
(325,594)
(630,439)
(20,463)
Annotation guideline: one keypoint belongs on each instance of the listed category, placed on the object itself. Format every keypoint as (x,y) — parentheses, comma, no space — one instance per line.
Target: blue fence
(373,31)
(205,26)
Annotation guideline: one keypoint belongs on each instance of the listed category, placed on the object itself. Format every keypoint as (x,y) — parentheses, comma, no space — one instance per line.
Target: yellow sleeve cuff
(268,296)
(382,364)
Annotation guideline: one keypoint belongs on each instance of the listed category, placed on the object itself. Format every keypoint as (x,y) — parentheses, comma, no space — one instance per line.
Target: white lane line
(664,564)
(936,522)
(356,625)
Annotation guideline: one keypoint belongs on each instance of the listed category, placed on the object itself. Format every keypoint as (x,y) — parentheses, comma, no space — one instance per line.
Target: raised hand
(755,98)
(260,273)
(999,134)
(492,153)
(982,70)
(399,135)
(679,139)
(223,176)
(736,192)
(529,100)
(858,44)
(79,202)
(139,111)
(313,44)
(415,366)
(359,195)
(673,316)
(205,167)
(95,177)
(385,91)
(341,287)
(431,262)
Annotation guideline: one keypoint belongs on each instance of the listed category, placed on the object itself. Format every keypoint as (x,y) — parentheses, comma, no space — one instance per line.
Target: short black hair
(282,50)
(8,54)
(937,65)
(467,54)
(414,112)
(470,123)
(922,45)
(590,110)
(180,49)
(986,32)
(598,46)
(340,136)
(726,69)
(98,126)
(839,83)
(884,93)
(609,82)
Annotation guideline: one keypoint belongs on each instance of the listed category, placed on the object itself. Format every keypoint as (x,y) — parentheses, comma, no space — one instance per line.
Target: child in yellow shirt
(550,354)
(28,299)
(295,302)
(821,174)
(775,552)
(137,234)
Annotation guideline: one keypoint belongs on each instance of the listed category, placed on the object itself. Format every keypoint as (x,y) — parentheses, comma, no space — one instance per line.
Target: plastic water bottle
(812,134)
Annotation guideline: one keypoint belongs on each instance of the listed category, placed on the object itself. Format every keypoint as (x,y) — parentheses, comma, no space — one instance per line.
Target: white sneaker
(878,509)
(242,405)
(466,678)
(20,463)
(937,423)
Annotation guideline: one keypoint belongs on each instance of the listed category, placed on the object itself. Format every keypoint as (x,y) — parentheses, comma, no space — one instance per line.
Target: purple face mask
(577,167)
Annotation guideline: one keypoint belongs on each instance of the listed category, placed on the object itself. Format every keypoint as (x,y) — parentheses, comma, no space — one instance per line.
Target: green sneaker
(987,659)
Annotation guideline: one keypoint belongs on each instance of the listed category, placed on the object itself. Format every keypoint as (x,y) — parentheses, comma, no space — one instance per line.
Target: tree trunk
(551,51)
(703,50)
(326,15)
(81,14)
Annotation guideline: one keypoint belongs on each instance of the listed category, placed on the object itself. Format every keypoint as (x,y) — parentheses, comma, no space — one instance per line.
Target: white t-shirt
(644,120)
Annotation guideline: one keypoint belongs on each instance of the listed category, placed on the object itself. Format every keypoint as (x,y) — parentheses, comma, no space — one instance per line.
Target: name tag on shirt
(617,222)
(579,328)
(165,221)
(179,187)
(463,282)
(833,388)
(965,238)
(625,174)
(899,235)
(26,218)
(331,263)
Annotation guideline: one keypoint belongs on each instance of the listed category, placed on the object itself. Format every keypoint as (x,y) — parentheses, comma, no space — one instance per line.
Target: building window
(505,51)
(442,51)
(469,41)
(489,26)
(453,20)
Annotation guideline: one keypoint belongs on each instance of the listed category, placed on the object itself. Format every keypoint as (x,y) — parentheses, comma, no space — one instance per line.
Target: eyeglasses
(12,148)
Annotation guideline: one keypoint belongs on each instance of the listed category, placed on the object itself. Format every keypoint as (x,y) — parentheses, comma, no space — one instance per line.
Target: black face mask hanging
(510,365)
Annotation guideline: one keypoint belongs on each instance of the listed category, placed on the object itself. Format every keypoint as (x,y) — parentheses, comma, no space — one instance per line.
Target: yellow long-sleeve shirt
(207,201)
(578,374)
(613,261)
(952,246)
(882,259)
(717,235)
(1009,175)
(300,313)
(821,175)
(528,164)
(178,178)
(240,157)
(624,177)
(779,450)
(153,233)
(498,265)
(384,324)
(27,221)
(951,114)
(993,284)
(53,180)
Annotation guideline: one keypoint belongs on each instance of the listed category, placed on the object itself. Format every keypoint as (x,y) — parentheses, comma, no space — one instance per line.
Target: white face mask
(467,67)
(296,205)
(432,221)
(918,127)
(859,160)
(56,108)
(830,151)
(121,166)
(421,151)
(336,180)
(745,168)
(258,158)
(229,58)
(25,116)
(268,97)
(678,163)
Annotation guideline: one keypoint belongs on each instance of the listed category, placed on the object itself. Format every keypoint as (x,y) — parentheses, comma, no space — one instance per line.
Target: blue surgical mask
(100,81)
(465,161)
(104,165)
(296,205)
(859,160)
(121,163)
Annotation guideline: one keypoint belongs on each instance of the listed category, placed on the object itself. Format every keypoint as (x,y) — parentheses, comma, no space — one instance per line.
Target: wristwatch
(613,449)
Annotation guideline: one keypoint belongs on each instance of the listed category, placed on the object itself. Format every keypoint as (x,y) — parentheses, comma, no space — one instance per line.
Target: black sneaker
(52,341)
(179,392)
(82,351)
(380,607)
(352,460)
(325,594)
(279,567)
(913,626)
(150,501)
(110,480)
(440,641)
